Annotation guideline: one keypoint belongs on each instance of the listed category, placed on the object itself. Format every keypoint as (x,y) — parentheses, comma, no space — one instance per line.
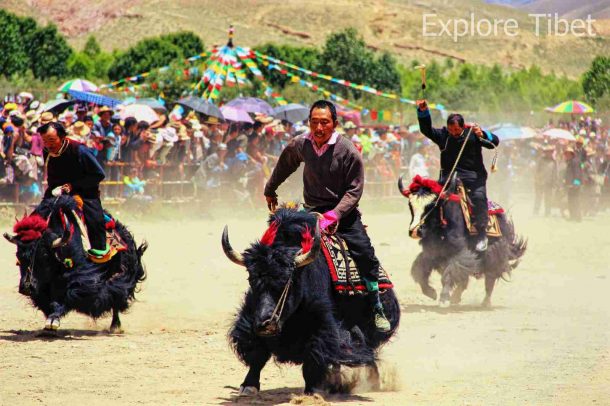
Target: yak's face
(268,277)
(419,204)
(32,258)
(274,265)
(35,260)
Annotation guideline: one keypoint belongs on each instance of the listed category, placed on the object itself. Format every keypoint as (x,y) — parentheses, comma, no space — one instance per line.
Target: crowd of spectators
(215,155)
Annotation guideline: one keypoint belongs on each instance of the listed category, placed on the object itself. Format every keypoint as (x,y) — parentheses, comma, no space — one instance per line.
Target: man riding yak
(72,169)
(333,180)
(467,160)
(66,265)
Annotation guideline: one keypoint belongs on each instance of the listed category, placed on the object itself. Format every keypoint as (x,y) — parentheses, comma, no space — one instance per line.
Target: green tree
(596,81)
(13,57)
(80,65)
(188,42)
(385,73)
(92,48)
(49,53)
(305,57)
(153,53)
(346,56)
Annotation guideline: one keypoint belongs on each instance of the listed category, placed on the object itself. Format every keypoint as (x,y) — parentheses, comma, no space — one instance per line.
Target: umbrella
(78,84)
(153,103)
(96,98)
(140,111)
(559,133)
(292,112)
(571,106)
(235,114)
(252,105)
(26,95)
(201,106)
(512,132)
(56,106)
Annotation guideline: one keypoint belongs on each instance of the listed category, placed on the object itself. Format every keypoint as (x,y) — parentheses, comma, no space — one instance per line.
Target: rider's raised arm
(436,135)
(288,162)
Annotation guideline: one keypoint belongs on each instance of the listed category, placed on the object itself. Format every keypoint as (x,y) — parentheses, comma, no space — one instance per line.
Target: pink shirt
(319,151)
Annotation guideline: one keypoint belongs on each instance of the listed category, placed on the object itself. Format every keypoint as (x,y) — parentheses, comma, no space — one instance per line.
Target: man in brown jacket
(333,179)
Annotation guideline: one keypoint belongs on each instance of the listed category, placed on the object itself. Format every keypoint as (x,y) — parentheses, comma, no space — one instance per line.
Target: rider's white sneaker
(482,244)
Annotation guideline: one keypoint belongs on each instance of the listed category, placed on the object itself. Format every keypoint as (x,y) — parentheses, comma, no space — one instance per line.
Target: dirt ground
(545,341)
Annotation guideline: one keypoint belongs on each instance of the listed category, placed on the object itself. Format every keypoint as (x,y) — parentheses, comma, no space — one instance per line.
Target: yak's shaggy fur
(318,328)
(448,248)
(54,286)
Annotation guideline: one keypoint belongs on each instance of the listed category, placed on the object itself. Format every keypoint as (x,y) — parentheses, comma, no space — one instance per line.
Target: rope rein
(279,307)
(440,195)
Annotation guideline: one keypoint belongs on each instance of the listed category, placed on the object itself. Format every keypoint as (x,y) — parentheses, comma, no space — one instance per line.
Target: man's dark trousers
(475,185)
(94,220)
(358,243)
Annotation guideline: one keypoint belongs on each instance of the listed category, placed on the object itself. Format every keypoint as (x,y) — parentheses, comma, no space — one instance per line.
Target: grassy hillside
(393,25)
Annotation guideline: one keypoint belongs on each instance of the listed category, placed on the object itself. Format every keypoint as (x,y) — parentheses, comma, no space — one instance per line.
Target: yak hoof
(52,323)
(116,330)
(247,391)
(486,303)
(430,292)
(443,304)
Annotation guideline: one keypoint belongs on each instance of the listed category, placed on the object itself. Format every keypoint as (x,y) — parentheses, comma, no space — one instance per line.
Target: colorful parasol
(572,107)
(80,85)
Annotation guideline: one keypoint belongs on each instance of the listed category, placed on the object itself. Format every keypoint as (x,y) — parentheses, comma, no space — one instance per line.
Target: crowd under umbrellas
(240,141)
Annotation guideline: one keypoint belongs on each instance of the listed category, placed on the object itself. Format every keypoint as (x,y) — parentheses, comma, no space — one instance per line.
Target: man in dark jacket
(333,179)
(470,167)
(72,169)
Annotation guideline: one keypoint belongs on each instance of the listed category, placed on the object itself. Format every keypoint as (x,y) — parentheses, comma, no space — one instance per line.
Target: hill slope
(597,9)
(393,25)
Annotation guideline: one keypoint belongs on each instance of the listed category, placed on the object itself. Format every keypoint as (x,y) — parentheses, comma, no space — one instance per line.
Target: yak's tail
(516,250)
(517,245)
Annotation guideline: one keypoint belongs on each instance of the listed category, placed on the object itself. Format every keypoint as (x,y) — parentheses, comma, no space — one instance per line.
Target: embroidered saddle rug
(493,209)
(343,271)
(113,239)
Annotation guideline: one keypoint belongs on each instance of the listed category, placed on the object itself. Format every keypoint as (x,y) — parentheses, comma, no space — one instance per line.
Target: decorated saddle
(493,209)
(343,271)
(113,239)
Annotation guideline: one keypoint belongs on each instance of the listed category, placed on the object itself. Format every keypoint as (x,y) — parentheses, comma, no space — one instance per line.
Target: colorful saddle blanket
(343,271)
(113,239)
(493,209)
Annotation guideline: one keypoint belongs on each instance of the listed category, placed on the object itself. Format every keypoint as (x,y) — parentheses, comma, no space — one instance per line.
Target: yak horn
(61,241)
(10,238)
(229,251)
(401,187)
(308,257)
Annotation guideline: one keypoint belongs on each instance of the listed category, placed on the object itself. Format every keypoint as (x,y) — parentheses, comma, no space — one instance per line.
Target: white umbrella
(559,133)
(140,111)
(26,95)
(80,85)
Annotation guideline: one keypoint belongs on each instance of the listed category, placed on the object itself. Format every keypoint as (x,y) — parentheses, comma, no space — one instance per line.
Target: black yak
(56,274)
(448,247)
(292,312)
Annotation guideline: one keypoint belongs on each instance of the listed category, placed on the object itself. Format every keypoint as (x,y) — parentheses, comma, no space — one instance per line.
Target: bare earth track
(546,340)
